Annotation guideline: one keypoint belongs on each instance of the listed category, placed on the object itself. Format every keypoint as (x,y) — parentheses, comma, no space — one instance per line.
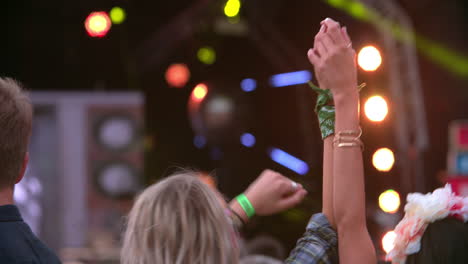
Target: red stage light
(97,24)
(177,75)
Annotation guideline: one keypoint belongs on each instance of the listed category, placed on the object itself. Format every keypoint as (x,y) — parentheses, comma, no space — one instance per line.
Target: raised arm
(335,66)
(269,194)
(327,182)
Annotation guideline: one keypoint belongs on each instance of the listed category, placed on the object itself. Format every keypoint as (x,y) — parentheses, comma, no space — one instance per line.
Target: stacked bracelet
(348,138)
(246,205)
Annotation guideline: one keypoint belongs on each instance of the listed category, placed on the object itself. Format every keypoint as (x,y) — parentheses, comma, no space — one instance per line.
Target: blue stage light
(287,160)
(248,85)
(248,140)
(290,78)
(199,141)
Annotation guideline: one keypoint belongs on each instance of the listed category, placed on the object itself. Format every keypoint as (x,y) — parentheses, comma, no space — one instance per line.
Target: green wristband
(246,205)
(324,111)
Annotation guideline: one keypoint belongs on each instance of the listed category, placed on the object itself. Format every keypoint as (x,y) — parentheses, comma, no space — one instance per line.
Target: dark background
(45,46)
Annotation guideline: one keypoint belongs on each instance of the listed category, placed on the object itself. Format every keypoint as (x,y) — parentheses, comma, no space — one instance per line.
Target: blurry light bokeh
(383,159)
(97,24)
(369,58)
(290,78)
(289,161)
(232,8)
(376,108)
(177,75)
(117,15)
(389,201)
(199,141)
(206,55)
(199,92)
(248,140)
(248,85)
(388,241)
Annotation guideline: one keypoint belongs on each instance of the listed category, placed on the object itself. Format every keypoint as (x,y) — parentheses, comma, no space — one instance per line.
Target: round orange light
(369,58)
(376,108)
(97,24)
(383,159)
(389,201)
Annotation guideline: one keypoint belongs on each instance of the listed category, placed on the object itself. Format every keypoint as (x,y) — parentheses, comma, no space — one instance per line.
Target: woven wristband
(246,205)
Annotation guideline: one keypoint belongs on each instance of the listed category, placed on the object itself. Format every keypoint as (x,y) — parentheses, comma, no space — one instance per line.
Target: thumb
(292,200)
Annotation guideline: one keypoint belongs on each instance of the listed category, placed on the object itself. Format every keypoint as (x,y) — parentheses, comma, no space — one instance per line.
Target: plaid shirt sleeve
(318,245)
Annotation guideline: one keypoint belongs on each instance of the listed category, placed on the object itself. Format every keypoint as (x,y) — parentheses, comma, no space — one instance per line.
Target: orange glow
(97,24)
(177,75)
(199,92)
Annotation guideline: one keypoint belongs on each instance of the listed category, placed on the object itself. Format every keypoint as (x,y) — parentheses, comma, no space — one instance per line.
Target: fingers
(313,57)
(292,200)
(335,32)
(346,37)
(320,47)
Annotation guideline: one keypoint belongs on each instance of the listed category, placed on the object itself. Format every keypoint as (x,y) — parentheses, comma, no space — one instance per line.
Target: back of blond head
(177,221)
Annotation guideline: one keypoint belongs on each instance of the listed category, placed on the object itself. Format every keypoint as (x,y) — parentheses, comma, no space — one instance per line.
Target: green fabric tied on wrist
(326,112)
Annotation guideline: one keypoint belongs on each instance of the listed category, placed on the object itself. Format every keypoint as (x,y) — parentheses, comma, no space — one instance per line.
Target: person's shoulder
(20,245)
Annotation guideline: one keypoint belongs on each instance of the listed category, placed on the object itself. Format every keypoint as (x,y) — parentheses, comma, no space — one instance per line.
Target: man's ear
(23,168)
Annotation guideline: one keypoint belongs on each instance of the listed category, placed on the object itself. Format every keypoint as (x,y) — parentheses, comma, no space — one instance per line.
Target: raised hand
(334,59)
(271,193)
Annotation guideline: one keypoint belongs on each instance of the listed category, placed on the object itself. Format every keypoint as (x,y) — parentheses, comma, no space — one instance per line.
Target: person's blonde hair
(16,114)
(177,221)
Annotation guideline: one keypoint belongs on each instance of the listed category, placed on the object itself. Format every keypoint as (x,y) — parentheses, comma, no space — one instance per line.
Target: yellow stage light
(232,8)
(199,92)
(383,159)
(206,55)
(388,241)
(376,108)
(369,58)
(389,201)
(117,15)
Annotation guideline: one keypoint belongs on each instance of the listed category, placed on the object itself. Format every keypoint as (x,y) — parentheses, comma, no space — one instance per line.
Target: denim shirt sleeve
(319,244)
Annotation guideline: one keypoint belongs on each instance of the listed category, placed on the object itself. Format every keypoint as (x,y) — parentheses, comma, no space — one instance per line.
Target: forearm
(327,185)
(349,191)
(348,171)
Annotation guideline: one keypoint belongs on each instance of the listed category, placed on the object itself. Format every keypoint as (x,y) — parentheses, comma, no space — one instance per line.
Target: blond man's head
(15,130)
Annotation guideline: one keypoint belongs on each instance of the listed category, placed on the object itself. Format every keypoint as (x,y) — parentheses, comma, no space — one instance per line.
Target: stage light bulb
(97,24)
(376,108)
(389,201)
(177,75)
(206,55)
(388,241)
(383,159)
(117,15)
(369,58)
(232,8)
(199,92)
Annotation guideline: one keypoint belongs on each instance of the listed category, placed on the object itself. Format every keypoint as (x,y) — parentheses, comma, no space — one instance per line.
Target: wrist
(347,98)
(235,207)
